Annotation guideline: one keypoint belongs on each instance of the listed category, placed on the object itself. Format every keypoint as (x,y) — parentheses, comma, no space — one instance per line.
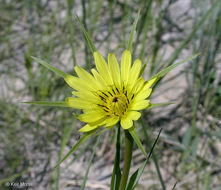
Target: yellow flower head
(111,94)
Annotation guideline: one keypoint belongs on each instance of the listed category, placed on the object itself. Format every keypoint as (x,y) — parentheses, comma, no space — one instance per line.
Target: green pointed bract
(137,140)
(82,140)
(144,67)
(154,105)
(101,132)
(45,103)
(168,69)
(76,146)
(133,31)
(90,43)
(50,67)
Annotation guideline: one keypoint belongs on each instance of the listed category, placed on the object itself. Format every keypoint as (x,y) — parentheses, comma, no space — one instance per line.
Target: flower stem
(127,159)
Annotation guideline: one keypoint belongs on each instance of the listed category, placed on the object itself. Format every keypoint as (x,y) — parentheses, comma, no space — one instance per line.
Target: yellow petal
(114,69)
(126,123)
(78,103)
(99,79)
(149,83)
(71,81)
(87,128)
(134,115)
(125,66)
(111,121)
(92,116)
(77,83)
(87,96)
(139,105)
(102,68)
(87,77)
(137,86)
(143,94)
(134,73)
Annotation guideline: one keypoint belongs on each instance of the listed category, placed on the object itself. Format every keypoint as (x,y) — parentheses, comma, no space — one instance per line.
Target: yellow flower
(110,94)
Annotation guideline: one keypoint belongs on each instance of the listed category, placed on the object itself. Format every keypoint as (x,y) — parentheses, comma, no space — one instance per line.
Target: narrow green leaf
(135,177)
(116,176)
(137,174)
(174,186)
(90,43)
(195,146)
(133,31)
(154,105)
(187,136)
(102,131)
(137,140)
(154,144)
(148,141)
(50,67)
(76,146)
(44,103)
(144,67)
(70,5)
(89,165)
(79,153)
(66,134)
(168,69)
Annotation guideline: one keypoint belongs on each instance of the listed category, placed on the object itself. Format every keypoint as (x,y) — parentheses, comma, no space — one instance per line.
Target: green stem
(127,159)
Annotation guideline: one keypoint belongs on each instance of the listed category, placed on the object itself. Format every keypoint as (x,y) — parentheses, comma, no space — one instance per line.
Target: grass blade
(191,35)
(133,31)
(136,175)
(90,43)
(174,186)
(168,69)
(50,67)
(65,138)
(154,156)
(89,164)
(44,103)
(71,29)
(144,67)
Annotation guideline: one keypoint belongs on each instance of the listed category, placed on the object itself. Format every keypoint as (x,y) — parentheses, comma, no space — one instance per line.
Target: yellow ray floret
(110,94)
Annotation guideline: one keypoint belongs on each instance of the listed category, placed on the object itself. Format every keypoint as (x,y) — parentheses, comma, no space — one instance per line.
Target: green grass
(37,137)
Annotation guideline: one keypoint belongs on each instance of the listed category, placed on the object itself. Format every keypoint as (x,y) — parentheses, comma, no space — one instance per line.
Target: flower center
(118,104)
(114,102)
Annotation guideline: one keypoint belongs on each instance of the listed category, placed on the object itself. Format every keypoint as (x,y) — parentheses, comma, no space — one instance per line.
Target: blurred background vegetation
(33,138)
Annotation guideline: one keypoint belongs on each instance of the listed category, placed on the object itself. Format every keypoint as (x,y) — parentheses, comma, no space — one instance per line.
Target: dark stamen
(132,97)
(115,99)
(110,93)
(101,97)
(104,94)
(113,91)
(103,106)
(117,90)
